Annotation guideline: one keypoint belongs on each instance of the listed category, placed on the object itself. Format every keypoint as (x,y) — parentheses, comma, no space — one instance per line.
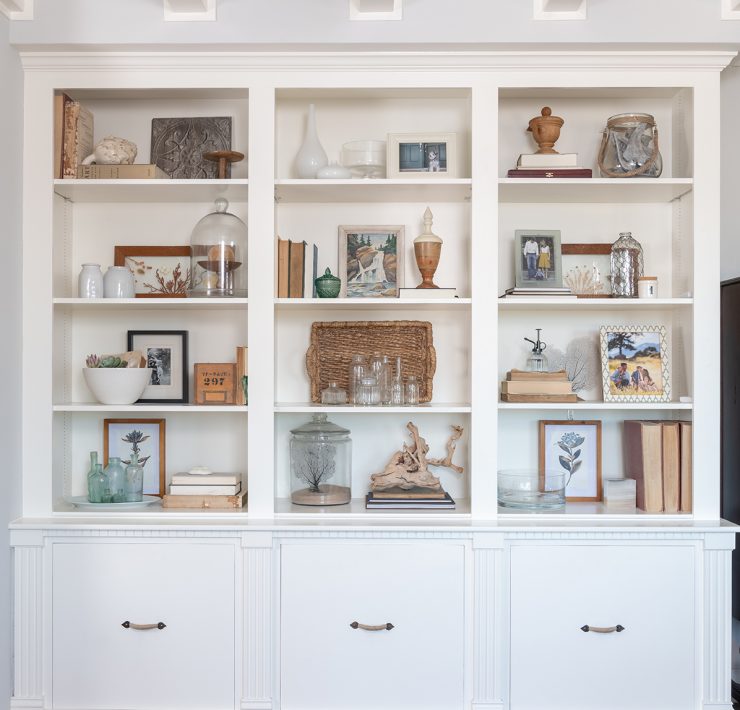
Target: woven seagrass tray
(334,343)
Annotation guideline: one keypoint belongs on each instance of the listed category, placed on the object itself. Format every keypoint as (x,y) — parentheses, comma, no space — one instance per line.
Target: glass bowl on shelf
(365,159)
(528,489)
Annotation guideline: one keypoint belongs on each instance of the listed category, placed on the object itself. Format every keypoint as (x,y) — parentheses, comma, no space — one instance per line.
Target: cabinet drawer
(647,590)
(328,665)
(98,663)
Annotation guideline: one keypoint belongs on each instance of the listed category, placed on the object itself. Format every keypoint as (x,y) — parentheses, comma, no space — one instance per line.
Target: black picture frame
(173,364)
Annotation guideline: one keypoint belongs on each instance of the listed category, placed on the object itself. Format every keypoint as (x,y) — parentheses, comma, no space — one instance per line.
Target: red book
(554,173)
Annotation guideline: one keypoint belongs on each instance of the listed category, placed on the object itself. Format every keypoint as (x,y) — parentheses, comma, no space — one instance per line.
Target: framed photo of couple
(537,258)
(634,363)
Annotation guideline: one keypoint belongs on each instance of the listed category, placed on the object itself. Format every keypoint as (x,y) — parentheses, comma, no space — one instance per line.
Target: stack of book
(658,456)
(549,165)
(525,386)
(412,499)
(297,269)
(205,490)
(524,292)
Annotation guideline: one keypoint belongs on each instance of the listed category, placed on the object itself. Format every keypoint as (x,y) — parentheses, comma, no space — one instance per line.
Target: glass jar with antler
(219,255)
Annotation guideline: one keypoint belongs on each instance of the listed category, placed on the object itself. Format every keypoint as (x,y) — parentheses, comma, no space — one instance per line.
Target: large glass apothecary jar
(320,463)
(218,249)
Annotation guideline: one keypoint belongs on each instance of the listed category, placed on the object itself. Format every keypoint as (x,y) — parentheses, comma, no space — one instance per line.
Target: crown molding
(17,9)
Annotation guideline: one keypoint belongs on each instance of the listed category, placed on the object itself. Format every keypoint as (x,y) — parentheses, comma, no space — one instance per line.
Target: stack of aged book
(658,455)
(205,490)
(525,386)
(297,265)
(549,165)
(412,499)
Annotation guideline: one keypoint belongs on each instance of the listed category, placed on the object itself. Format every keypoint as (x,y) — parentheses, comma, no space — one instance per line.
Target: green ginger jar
(328,285)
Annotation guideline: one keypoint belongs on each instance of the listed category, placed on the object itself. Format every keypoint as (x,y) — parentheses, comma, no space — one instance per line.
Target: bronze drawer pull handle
(603,629)
(366,627)
(143,627)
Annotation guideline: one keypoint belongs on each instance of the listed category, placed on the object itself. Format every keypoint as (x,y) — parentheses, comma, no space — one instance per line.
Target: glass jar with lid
(218,255)
(320,463)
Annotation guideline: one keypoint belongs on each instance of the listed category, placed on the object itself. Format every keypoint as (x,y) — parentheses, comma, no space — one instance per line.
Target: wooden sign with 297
(215,382)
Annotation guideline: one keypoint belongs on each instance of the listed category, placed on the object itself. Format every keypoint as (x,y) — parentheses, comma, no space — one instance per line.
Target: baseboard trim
(26,703)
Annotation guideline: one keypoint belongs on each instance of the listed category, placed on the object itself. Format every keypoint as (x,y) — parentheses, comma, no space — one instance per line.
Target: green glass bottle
(98,490)
(134,480)
(116,474)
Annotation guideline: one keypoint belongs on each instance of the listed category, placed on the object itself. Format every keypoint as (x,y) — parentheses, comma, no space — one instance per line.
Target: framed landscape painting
(371,261)
(634,362)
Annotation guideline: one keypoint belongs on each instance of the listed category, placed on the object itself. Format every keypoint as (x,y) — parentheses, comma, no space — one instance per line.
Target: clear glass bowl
(527,489)
(365,158)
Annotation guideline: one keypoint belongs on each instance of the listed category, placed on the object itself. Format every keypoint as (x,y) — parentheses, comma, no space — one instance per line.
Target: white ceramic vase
(90,281)
(119,282)
(311,157)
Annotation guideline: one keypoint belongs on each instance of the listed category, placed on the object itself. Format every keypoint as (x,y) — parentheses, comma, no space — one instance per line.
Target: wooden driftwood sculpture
(408,468)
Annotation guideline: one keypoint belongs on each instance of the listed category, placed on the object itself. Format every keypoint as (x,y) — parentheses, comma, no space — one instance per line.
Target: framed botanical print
(166,353)
(573,448)
(371,261)
(634,363)
(146,439)
(537,258)
(159,271)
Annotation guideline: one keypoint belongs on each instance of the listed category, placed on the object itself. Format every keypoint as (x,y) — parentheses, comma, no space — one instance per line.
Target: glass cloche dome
(218,248)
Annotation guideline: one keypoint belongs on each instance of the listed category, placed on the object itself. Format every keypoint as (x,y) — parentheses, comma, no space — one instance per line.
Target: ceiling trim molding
(17,9)
(560,10)
(375,10)
(730,9)
(189,10)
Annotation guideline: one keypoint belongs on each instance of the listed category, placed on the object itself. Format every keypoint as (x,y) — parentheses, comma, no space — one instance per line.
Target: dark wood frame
(162,448)
(121,252)
(543,423)
(183,334)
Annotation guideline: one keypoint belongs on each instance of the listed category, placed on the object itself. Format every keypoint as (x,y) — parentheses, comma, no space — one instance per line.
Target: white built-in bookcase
(486,99)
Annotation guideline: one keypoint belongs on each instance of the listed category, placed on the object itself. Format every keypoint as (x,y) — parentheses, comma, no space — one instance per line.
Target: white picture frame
(421,155)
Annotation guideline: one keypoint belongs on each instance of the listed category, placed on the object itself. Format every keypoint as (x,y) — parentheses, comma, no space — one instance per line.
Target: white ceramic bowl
(117,385)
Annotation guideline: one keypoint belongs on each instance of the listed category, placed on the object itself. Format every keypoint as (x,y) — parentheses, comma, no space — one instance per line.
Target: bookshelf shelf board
(374,190)
(592,304)
(595,510)
(586,406)
(100,304)
(151,190)
(373,304)
(356,510)
(148,408)
(64,509)
(609,190)
(431,408)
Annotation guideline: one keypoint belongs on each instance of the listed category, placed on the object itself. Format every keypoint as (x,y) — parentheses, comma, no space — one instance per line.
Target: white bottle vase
(311,157)
(90,281)
(119,282)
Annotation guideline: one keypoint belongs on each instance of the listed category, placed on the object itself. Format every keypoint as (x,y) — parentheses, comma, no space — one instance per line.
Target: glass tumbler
(357,370)
(412,390)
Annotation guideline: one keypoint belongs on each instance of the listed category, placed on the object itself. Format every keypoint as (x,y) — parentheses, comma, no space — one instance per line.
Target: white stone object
(112,151)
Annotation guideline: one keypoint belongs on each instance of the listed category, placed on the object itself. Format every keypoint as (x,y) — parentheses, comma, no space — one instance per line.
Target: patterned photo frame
(631,356)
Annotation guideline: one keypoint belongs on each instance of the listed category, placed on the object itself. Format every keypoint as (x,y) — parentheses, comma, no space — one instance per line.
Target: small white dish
(334,171)
(83,502)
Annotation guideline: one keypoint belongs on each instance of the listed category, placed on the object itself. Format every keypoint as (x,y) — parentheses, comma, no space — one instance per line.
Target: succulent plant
(110,361)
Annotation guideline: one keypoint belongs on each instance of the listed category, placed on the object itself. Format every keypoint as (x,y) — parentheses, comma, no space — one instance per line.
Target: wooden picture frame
(537,259)
(566,444)
(640,353)
(421,155)
(215,383)
(388,240)
(115,445)
(166,352)
(586,269)
(158,270)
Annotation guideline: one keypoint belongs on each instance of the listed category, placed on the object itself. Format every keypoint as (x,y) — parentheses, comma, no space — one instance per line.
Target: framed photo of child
(537,258)
(634,363)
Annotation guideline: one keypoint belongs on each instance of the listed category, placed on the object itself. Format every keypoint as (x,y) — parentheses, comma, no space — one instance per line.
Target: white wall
(10,326)
(428,22)
(730,140)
